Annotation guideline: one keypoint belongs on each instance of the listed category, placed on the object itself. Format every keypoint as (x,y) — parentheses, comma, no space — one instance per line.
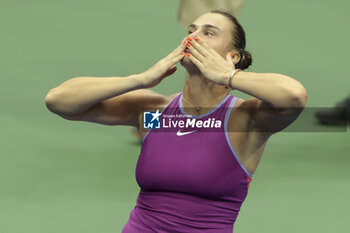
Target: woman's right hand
(163,68)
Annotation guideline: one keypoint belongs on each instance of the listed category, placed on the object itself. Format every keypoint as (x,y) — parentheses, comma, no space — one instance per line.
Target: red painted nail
(189,44)
(231,54)
(197,39)
(190,38)
(188,54)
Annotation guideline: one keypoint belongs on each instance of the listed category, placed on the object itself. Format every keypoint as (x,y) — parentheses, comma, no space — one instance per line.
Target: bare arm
(76,95)
(277,99)
(111,100)
(276,89)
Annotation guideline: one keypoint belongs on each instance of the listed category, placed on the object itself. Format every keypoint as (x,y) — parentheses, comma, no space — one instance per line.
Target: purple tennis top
(189,183)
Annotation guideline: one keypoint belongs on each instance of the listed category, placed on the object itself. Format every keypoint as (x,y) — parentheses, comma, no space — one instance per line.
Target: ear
(233,56)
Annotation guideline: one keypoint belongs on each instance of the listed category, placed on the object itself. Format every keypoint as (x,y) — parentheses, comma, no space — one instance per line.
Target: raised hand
(163,68)
(211,64)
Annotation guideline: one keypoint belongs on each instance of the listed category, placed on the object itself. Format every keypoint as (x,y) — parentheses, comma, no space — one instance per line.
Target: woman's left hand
(211,64)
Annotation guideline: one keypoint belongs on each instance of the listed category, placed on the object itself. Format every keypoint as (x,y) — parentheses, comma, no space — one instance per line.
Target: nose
(192,36)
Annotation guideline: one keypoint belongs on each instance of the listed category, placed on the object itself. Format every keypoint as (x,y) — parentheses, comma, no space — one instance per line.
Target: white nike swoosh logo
(179,133)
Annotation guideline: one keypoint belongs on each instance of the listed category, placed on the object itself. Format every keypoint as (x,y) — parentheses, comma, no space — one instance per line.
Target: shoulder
(171,97)
(261,117)
(239,114)
(247,103)
(248,106)
(241,118)
(167,99)
(160,104)
(146,98)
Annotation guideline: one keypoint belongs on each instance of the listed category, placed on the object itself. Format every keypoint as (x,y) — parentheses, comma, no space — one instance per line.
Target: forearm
(276,89)
(79,94)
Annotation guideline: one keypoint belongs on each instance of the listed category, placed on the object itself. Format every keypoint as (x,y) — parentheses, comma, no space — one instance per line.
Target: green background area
(77,177)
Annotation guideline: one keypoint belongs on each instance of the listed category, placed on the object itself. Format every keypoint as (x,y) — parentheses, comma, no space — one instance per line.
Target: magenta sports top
(189,183)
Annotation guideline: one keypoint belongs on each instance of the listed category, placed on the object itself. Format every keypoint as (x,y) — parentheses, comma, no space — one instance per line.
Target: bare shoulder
(165,101)
(265,118)
(123,109)
(242,118)
(239,101)
(152,99)
(171,97)
(239,118)
(247,103)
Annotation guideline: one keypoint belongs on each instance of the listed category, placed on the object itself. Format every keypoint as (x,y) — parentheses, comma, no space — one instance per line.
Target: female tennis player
(194,180)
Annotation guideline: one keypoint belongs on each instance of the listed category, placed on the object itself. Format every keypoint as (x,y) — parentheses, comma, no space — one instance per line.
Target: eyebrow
(205,26)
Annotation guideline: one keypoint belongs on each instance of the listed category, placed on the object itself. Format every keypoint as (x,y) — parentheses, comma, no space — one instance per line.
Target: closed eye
(207,33)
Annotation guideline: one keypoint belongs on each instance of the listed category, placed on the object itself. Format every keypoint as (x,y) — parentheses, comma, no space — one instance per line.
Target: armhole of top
(227,116)
(176,97)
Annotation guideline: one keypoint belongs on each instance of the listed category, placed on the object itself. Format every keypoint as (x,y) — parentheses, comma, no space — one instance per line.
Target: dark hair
(238,40)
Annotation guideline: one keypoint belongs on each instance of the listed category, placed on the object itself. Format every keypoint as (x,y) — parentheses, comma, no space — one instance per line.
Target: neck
(201,93)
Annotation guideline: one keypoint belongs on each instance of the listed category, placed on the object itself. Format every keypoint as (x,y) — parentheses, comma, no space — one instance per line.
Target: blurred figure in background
(189,10)
(339,115)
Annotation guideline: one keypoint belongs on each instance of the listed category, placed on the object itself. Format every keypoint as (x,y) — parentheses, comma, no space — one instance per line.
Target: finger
(202,50)
(175,60)
(179,49)
(184,41)
(204,45)
(196,53)
(176,51)
(195,61)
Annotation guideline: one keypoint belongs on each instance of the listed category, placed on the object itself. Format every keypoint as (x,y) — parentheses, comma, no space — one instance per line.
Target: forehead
(216,20)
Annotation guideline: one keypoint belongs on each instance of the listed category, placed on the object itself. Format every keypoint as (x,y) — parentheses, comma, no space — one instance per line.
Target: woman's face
(215,30)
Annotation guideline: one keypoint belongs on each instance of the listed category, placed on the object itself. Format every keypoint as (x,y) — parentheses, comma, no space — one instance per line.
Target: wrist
(231,77)
(227,75)
(137,81)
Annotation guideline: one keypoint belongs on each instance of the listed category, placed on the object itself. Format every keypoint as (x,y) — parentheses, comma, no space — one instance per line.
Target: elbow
(299,97)
(50,100)
(53,103)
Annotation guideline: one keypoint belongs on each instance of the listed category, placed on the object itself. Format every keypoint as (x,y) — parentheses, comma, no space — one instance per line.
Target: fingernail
(190,38)
(188,54)
(189,44)
(231,54)
(197,39)
(183,53)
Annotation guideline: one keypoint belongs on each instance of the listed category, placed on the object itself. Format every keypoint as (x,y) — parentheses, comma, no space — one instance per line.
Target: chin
(189,66)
